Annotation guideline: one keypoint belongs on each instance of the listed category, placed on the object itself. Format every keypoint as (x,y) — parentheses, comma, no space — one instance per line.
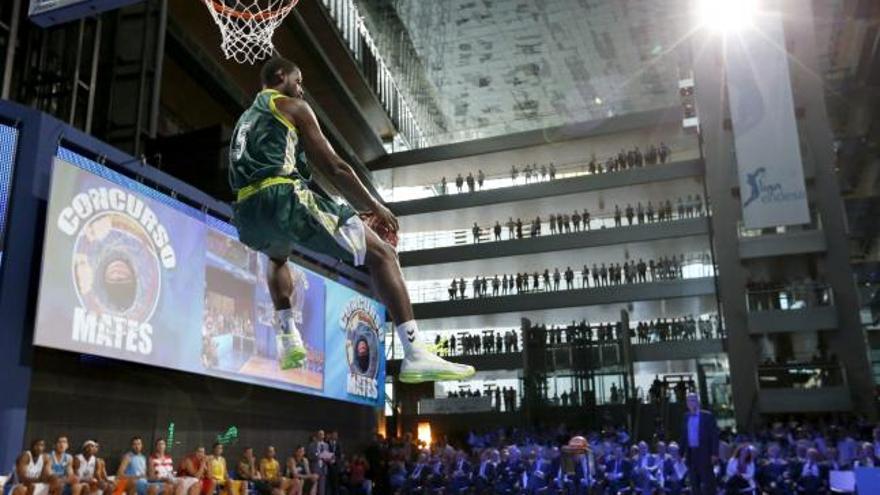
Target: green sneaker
(291,352)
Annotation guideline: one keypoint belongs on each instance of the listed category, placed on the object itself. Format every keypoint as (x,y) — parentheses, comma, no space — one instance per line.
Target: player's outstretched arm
(335,168)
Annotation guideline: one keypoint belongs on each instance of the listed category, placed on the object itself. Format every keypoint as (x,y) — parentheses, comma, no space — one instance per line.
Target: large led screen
(8,140)
(131,274)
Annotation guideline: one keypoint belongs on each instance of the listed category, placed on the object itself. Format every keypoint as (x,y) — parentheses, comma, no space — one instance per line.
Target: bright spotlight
(726,15)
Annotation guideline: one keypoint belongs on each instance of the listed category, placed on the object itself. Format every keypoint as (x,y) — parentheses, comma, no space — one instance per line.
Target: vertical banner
(771,175)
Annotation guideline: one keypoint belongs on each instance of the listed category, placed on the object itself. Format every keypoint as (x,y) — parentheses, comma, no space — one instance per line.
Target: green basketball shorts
(276,215)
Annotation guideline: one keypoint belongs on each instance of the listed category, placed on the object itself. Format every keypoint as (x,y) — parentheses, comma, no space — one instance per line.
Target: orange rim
(263,15)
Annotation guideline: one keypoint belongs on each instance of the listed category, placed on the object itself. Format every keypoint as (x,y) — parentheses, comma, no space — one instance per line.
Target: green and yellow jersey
(265,144)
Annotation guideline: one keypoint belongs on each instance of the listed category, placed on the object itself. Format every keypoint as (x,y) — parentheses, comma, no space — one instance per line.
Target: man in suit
(333,467)
(699,441)
(318,453)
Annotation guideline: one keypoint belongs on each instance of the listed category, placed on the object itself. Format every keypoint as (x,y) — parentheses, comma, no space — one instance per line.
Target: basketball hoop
(247,26)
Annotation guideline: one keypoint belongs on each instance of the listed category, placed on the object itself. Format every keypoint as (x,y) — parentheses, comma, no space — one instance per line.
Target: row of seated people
(614,464)
(581,221)
(623,160)
(60,473)
(630,272)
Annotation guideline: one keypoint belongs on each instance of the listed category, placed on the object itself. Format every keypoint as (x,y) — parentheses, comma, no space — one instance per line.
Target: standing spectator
(481,177)
(640,213)
(475,230)
(459,182)
(700,443)
(649,214)
(586,219)
(585,276)
(514,174)
(443,185)
(334,465)
(552,223)
(664,152)
(569,278)
(556,278)
(552,171)
(543,172)
(462,287)
(576,220)
(318,454)
(470,185)
(629,214)
(497,231)
(511,226)
(617,216)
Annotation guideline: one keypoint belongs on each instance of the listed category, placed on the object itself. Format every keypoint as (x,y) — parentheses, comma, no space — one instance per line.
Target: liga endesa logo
(361,325)
(119,254)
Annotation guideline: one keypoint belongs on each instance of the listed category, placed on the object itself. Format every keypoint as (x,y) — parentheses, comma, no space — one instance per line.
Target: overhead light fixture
(725,16)
(597,100)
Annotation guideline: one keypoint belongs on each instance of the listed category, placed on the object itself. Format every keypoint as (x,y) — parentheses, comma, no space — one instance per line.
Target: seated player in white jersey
(91,470)
(275,144)
(30,469)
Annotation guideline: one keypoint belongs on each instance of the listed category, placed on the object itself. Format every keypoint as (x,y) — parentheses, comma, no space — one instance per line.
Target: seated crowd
(785,459)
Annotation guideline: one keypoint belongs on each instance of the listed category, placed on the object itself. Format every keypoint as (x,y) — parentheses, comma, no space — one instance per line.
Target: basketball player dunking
(276,210)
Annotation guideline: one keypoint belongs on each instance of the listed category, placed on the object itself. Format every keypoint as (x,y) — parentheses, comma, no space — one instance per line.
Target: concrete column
(848,342)
(717,147)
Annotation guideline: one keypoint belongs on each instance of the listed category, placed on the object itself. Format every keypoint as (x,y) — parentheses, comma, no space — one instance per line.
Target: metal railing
(444,238)
(790,297)
(695,265)
(504,179)
(805,375)
(375,70)
(674,330)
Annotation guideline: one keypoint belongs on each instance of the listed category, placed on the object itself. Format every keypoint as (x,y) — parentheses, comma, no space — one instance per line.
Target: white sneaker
(289,344)
(422,366)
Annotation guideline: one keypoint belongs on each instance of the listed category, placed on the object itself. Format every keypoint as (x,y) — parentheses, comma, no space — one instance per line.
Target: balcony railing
(376,71)
(445,238)
(801,376)
(815,224)
(790,297)
(505,179)
(695,265)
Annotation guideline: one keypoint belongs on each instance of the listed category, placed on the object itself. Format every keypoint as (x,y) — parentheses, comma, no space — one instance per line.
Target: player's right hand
(386,217)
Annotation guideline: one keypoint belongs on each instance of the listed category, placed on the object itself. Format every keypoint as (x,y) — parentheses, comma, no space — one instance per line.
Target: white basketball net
(247,26)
